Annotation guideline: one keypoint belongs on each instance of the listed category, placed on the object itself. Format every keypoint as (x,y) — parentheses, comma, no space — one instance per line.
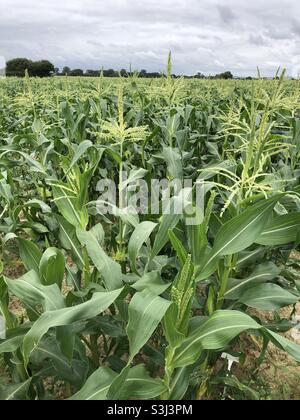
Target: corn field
(144,305)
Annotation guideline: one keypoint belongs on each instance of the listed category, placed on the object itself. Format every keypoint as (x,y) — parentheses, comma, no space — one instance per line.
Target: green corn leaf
(219,330)
(66,200)
(97,386)
(196,233)
(151,282)
(267,297)
(80,151)
(140,235)
(73,371)
(246,258)
(69,241)
(134,176)
(29,252)
(214,334)
(99,303)
(173,336)
(116,387)
(180,383)
(28,289)
(108,268)
(52,267)
(174,162)
(99,233)
(11,344)
(238,234)
(170,221)
(263,273)
(146,311)
(179,248)
(16,392)
(66,340)
(137,385)
(243,230)
(281,230)
(284,344)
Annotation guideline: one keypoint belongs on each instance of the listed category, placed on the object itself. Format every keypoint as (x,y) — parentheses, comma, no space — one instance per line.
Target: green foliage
(143,306)
(18,67)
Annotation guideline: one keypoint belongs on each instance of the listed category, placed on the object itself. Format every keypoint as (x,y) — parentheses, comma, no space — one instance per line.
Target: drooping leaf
(11,344)
(108,268)
(237,234)
(29,252)
(291,348)
(15,392)
(67,316)
(140,235)
(97,385)
(214,334)
(28,289)
(173,213)
(268,297)
(281,230)
(81,150)
(73,371)
(139,385)
(263,273)
(52,267)
(146,310)
(151,282)
(134,176)
(243,230)
(66,200)
(174,162)
(219,330)
(69,240)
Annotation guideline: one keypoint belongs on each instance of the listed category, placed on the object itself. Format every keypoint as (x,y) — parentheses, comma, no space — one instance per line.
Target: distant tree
(225,75)
(76,72)
(143,73)
(109,73)
(56,71)
(17,67)
(92,73)
(123,73)
(66,71)
(153,75)
(41,68)
(199,76)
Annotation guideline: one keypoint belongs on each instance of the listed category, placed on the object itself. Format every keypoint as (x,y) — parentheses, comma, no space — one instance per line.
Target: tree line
(18,67)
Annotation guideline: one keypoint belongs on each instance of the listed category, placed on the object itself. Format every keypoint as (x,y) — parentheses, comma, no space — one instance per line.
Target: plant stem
(169,369)
(224,282)
(121,204)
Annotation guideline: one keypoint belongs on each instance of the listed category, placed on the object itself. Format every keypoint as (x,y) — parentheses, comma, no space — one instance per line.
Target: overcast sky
(204,35)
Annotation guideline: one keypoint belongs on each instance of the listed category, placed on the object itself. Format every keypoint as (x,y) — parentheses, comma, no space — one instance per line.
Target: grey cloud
(258,39)
(296,27)
(204,35)
(226,13)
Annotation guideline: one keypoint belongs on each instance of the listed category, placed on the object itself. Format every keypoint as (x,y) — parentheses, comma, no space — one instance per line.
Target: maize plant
(124,305)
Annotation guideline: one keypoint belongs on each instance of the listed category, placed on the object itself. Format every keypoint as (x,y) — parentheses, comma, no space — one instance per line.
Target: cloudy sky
(204,35)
